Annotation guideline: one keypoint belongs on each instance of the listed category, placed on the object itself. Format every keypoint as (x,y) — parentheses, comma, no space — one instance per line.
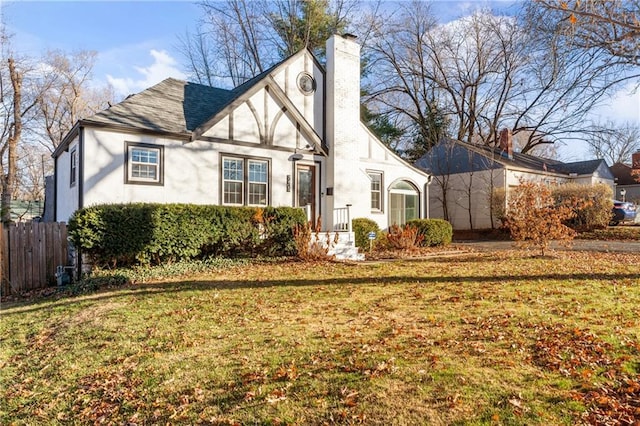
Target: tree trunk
(9,180)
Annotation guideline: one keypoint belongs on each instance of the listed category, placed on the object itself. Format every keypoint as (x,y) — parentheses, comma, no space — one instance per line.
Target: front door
(306,189)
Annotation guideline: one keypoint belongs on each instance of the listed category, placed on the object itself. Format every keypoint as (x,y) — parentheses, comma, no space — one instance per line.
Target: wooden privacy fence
(29,255)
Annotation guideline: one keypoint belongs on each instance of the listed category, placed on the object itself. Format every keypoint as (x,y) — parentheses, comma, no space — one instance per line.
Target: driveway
(577,245)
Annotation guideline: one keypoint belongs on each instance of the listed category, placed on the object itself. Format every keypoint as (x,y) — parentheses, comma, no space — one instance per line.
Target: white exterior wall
(310,106)
(343,125)
(481,184)
(262,126)
(632,193)
(187,179)
(353,150)
(375,157)
(514,177)
(458,187)
(66,195)
(191,172)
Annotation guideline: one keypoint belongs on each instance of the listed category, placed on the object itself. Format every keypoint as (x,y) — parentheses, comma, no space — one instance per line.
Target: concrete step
(340,244)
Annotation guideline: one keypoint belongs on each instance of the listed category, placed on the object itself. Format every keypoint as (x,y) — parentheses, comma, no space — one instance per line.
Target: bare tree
(615,143)
(39,103)
(486,72)
(33,166)
(611,25)
(198,51)
(70,96)
(239,39)
(17,104)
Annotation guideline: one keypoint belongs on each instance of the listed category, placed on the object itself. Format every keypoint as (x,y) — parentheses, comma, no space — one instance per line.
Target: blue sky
(137,41)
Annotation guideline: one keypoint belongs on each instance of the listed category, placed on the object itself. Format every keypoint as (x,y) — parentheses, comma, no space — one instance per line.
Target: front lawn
(495,338)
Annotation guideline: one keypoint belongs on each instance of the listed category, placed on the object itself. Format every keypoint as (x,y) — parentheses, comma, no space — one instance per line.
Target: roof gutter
(69,137)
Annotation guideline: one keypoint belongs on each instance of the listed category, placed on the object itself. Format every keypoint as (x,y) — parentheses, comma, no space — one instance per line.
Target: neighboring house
(23,210)
(291,136)
(466,176)
(626,181)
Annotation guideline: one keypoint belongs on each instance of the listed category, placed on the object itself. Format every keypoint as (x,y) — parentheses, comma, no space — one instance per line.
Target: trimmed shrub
(593,205)
(124,234)
(361,228)
(435,232)
(279,224)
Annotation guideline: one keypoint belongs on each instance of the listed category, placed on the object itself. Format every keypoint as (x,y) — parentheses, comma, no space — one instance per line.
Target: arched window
(403,203)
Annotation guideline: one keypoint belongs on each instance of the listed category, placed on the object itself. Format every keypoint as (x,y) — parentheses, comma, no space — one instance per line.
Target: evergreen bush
(124,234)
(435,232)
(361,228)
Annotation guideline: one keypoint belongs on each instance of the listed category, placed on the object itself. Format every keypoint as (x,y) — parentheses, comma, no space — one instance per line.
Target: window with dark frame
(144,164)
(245,181)
(376,191)
(73,167)
(233,181)
(258,180)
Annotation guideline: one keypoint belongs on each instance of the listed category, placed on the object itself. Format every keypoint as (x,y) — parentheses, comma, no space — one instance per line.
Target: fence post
(3,271)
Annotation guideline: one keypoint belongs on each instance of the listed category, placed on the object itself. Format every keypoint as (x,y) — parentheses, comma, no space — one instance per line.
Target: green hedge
(361,228)
(124,234)
(435,232)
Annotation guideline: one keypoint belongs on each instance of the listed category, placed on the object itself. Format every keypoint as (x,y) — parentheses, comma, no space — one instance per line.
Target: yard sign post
(372,236)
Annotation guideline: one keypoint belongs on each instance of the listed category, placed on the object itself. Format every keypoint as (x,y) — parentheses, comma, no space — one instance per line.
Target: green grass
(477,339)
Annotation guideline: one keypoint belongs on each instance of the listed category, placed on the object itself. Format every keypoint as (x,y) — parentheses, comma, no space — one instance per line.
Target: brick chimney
(506,142)
(635,160)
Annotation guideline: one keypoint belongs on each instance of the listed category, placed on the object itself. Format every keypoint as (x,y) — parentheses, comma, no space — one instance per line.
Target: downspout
(427,199)
(55,189)
(80,166)
(506,190)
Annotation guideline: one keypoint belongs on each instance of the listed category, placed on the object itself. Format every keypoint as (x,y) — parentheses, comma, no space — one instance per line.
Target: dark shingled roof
(171,106)
(485,158)
(580,167)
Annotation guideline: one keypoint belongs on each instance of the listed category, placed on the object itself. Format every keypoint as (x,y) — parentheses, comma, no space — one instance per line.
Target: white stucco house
(465,177)
(291,136)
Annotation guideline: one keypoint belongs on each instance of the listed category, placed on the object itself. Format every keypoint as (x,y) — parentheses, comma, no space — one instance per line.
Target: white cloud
(163,66)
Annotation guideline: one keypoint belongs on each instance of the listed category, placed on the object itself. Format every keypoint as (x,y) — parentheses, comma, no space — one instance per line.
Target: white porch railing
(342,219)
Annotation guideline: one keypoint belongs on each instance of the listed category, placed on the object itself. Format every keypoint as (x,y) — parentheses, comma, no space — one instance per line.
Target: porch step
(345,247)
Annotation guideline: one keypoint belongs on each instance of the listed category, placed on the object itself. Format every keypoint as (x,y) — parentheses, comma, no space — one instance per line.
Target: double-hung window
(258,179)
(233,181)
(376,191)
(144,164)
(245,181)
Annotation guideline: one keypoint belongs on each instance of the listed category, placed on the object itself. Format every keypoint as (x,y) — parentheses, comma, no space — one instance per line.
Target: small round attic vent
(306,83)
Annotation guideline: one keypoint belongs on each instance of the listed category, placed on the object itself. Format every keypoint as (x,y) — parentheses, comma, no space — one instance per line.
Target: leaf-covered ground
(485,338)
(614,233)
